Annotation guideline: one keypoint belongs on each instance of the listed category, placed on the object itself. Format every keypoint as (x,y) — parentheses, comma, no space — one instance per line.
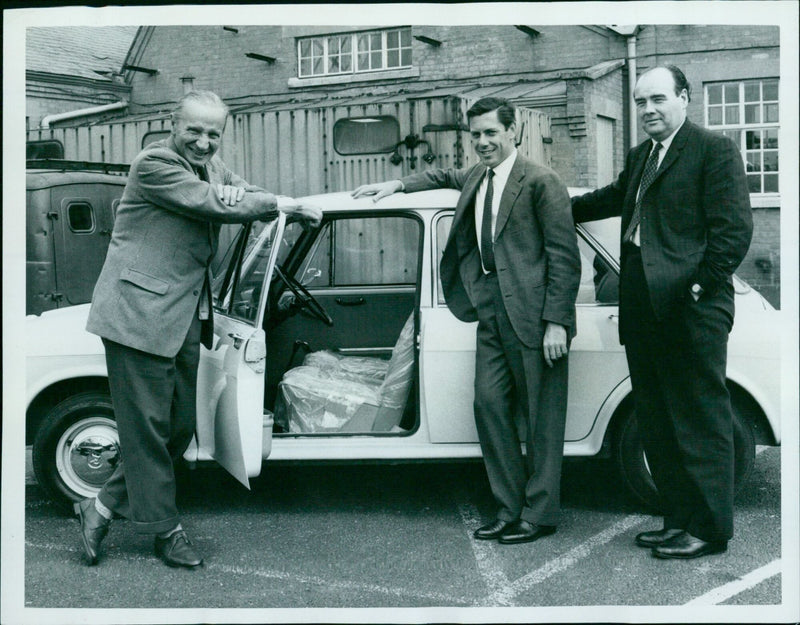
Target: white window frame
(741,127)
(354,52)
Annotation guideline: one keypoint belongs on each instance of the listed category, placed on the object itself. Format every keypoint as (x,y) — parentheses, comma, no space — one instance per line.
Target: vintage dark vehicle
(70,209)
(336,345)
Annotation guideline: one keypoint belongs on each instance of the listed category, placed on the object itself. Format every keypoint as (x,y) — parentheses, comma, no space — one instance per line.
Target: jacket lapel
(675,149)
(466,201)
(510,193)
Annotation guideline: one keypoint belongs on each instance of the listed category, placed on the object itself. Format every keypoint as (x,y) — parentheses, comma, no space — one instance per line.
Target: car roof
(422,200)
(45,178)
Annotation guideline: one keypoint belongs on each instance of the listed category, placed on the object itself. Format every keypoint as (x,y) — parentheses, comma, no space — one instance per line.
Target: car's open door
(230,383)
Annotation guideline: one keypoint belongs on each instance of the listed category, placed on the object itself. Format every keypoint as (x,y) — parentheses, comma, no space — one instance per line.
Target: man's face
(660,110)
(493,143)
(197,130)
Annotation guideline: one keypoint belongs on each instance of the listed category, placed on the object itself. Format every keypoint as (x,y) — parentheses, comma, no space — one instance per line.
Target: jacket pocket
(144,281)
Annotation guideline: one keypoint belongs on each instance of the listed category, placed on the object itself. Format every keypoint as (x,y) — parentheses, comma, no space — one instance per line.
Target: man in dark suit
(152,308)
(686,226)
(511,262)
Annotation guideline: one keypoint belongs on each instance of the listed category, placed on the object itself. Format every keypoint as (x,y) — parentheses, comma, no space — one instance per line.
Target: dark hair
(680,81)
(203,97)
(504,108)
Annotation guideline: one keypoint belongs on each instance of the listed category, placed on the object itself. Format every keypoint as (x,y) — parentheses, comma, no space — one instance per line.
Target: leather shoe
(94,527)
(656,538)
(176,550)
(523,532)
(492,530)
(684,546)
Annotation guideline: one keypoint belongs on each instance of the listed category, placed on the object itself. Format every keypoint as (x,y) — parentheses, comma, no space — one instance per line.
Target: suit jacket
(696,219)
(165,234)
(535,249)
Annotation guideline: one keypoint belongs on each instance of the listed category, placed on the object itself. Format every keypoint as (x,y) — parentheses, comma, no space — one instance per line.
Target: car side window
(80,217)
(599,282)
(364,251)
(443,224)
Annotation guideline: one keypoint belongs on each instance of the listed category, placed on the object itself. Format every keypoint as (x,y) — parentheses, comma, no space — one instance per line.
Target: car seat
(330,392)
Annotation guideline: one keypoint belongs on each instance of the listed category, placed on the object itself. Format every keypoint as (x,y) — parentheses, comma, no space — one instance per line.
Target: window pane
(305,67)
(375,60)
(752,113)
(375,41)
(735,136)
(715,116)
(318,67)
(347,63)
(771,138)
(363,43)
(752,91)
(771,113)
(80,217)
(347,44)
(770,88)
(754,184)
(731,93)
(316,271)
(771,183)
(442,232)
(753,161)
(247,297)
(305,48)
(405,37)
(366,135)
(753,139)
(715,94)
(376,251)
(392,39)
(599,284)
(363,60)
(731,114)
(771,160)
(392,58)
(406,57)
(319,48)
(333,65)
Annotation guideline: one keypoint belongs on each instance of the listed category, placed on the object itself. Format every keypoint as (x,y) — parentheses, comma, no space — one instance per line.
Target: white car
(389,376)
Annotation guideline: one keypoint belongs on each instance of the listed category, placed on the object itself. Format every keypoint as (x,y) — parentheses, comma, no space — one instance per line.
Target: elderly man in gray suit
(152,308)
(511,262)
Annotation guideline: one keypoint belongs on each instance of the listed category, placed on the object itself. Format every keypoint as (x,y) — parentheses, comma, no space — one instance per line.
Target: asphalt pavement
(399,536)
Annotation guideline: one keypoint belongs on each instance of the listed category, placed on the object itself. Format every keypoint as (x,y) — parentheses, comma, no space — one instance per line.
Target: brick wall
(761,267)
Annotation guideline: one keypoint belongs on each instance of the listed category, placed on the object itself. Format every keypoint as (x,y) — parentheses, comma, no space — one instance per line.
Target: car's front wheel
(631,459)
(76,448)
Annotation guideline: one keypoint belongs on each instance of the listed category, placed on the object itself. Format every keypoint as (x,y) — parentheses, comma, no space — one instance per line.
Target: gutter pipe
(92,110)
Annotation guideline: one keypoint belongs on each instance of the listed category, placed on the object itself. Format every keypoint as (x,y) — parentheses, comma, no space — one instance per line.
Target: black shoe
(176,550)
(94,527)
(492,530)
(684,546)
(523,532)
(656,537)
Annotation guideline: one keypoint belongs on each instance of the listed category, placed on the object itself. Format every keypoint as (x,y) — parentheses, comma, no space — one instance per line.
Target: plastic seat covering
(334,393)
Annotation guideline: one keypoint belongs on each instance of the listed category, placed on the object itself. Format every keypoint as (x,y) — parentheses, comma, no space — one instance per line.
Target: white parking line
(721,593)
(323,584)
(489,565)
(573,556)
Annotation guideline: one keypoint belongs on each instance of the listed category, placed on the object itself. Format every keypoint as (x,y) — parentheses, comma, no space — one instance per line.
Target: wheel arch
(49,397)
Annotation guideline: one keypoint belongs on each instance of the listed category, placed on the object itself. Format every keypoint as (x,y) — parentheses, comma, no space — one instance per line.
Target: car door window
(364,251)
(443,224)
(599,281)
(237,289)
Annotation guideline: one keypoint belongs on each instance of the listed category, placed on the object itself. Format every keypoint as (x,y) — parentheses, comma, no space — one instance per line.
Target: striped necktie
(649,174)
(487,245)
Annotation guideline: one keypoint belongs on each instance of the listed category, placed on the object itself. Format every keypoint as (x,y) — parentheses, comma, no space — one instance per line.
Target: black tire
(76,448)
(631,460)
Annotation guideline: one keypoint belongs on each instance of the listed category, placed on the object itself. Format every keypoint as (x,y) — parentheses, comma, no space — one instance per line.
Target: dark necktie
(487,250)
(649,174)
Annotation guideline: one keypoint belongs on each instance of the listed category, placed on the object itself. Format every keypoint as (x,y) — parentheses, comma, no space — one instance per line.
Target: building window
(354,53)
(366,135)
(747,112)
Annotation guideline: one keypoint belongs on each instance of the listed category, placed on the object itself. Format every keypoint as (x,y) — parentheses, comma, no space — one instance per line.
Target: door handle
(613,317)
(350,301)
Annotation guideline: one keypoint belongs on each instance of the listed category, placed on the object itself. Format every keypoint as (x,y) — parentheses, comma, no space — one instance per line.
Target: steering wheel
(305,298)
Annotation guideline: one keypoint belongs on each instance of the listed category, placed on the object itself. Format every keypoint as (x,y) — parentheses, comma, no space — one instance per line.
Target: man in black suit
(511,263)
(686,226)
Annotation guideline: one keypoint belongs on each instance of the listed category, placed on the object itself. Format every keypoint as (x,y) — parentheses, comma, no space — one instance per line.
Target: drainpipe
(92,110)
(632,121)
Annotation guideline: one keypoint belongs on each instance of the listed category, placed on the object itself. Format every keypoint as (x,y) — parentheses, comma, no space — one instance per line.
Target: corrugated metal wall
(289,150)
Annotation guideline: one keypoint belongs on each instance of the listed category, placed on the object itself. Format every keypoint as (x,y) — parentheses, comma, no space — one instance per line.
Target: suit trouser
(154,401)
(511,379)
(682,404)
